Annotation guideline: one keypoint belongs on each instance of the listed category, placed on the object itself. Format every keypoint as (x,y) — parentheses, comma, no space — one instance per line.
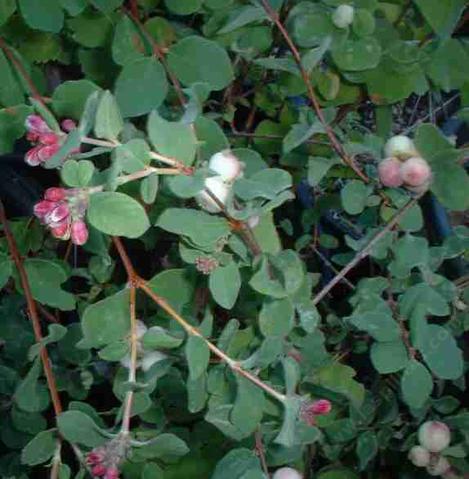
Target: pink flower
(49,138)
(68,125)
(36,125)
(58,214)
(61,231)
(98,470)
(112,473)
(54,194)
(96,456)
(79,232)
(321,407)
(43,208)
(32,156)
(47,152)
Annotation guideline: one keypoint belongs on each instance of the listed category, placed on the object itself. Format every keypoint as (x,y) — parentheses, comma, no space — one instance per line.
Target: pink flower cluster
(47,142)
(310,410)
(62,211)
(97,460)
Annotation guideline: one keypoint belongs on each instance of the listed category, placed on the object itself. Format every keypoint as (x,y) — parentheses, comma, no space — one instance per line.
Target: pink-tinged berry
(419,456)
(416,171)
(434,436)
(79,232)
(442,466)
(389,171)
(98,470)
(68,125)
(321,407)
(32,156)
(35,124)
(55,194)
(58,214)
(112,473)
(43,208)
(48,138)
(61,231)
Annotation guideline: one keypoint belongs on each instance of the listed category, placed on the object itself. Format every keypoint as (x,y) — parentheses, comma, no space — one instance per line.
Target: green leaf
(70,97)
(117,214)
(158,338)
(200,227)
(441,352)
(6,270)
(187,186)
(266,183)
(389,357)
(77,427)
(196,393)
(210,136)
(114,351)
(45,278)
(243,16)
(224,284)
(172,139)
(106,6)
(357,55)
(109,122)
(167,447)
(141,87)
(183,7)
(380,325)
(338,474)
(7,9)
(300,133)
(74,7)
(195,59)
(276,317)
(12,126)
(366,448)
(318,167)
(44,15)
(249,405)
(442,16)
(91,29)
(107,320)
(416,384)
(77,173)
(11,91)
(354,196)
(198,356)
(409,251)
(133,155)
(235,464)
(288,433)
(31,395)
(312,28)
(149,188)
(56,333)
(363,22)
(127,45)
(40,449)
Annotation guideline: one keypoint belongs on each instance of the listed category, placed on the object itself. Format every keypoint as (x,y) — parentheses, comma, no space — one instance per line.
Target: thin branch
(129,268)
(366,250)
(311,93)
(331,266)
(260,450)
(32,312)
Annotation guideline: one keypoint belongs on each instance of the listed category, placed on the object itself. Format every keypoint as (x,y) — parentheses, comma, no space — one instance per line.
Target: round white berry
(434,436)
(150,358)
(419,456)
(415,171)
(400,146)
(226,165)
(219,189)
(343,16)
(287,473)
(441,467)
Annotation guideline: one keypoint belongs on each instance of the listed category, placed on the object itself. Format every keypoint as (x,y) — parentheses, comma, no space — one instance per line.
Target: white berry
(439,468)
(253,221)
(434,436)
(419,456)
(219,189)
(226,165)
(416,171)
(401,147)
(343,16)
(287,473)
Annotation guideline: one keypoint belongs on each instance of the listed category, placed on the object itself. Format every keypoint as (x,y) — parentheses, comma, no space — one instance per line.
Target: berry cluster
(403,166)
(101,464)
(434,437)
(310,410)
(47,142)
(63,211)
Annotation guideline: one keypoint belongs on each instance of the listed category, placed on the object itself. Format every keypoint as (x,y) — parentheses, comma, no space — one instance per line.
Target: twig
(331,266)
(366,250)
(32,312)
(50,317)
(260,450)
(405,9)
(311,93)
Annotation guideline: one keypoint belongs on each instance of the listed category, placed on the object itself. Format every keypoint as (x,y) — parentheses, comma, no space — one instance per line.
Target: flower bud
(35,124)
(415,171)
(32,156)
(218,189)
(96,456)
(98,470)
(68,125)
(389,171)
(47,152)
(58,214)
(287,473)
(434,436)
(226,165)
(61,231)
(150,358)
(343,16)
(442,466)
(54,194)
(79,232)
(112,473)
(400,146)
(49,138)
(321,407)
(419,456)
(43,208)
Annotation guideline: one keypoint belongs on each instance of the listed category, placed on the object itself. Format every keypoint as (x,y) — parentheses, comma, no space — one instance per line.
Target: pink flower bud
(321,407)
(32,156)
(62,231)
(96,456)
(58,214)
(389,171)
(112,473)
(68,125)
(415,171)
(32,137)
(434,436)
(98,470)
(49,138)
(43,208)
(47,152)
(79,232)
(35,124)
(54,194)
